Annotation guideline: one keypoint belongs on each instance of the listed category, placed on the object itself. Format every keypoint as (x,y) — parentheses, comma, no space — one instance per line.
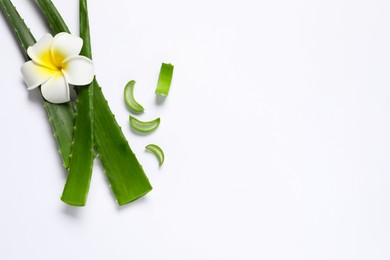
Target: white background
(276,133)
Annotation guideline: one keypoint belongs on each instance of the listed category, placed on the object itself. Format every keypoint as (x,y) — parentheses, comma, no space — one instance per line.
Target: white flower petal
(40,52)
(65,45)
(78,70)
(34,74)
(56,89)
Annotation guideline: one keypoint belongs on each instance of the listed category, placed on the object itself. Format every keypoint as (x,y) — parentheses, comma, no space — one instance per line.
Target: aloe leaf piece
(61,117)
(144,126)
(157,151)
(81,160)
(164,79)
(129,98)
(125,174)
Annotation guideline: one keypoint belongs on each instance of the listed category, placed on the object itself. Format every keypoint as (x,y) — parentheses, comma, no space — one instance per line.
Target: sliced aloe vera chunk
(144,126)
(156,150)
(129,98)
(165,79)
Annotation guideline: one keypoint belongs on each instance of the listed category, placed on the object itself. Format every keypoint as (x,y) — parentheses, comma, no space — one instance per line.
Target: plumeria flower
(55,63)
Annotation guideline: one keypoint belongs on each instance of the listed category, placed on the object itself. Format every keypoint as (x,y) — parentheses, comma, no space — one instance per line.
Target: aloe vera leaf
(61,117)
(157,151)
(85,33)
(144,126)
(53,17)
(164,79)
(22,32)
(129,98)
(81,160)
(125,174)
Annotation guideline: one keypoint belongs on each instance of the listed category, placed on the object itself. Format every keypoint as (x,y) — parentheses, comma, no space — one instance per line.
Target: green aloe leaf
(125,174)
(81,161)
(61,117)
(53,17)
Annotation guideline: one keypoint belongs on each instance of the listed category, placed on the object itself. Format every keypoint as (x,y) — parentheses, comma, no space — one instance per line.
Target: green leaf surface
(81,161)
(22,32)
(125,174)
(164,79)
(61,117)
(53,17)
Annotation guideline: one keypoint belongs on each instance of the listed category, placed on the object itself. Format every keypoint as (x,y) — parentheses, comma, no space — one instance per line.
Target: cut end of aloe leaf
(157,151)
(129,200)
(165,79)
(144,126)
(129,98)
(75,203)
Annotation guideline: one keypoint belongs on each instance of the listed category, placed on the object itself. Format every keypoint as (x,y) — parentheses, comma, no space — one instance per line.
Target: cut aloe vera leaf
(61,116)
(165,79)
(157,151)
(125,174)
(81,160)
(144,126)
(129,98)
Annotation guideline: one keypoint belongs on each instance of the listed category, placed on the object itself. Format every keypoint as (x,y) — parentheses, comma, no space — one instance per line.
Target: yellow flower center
(53,59)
